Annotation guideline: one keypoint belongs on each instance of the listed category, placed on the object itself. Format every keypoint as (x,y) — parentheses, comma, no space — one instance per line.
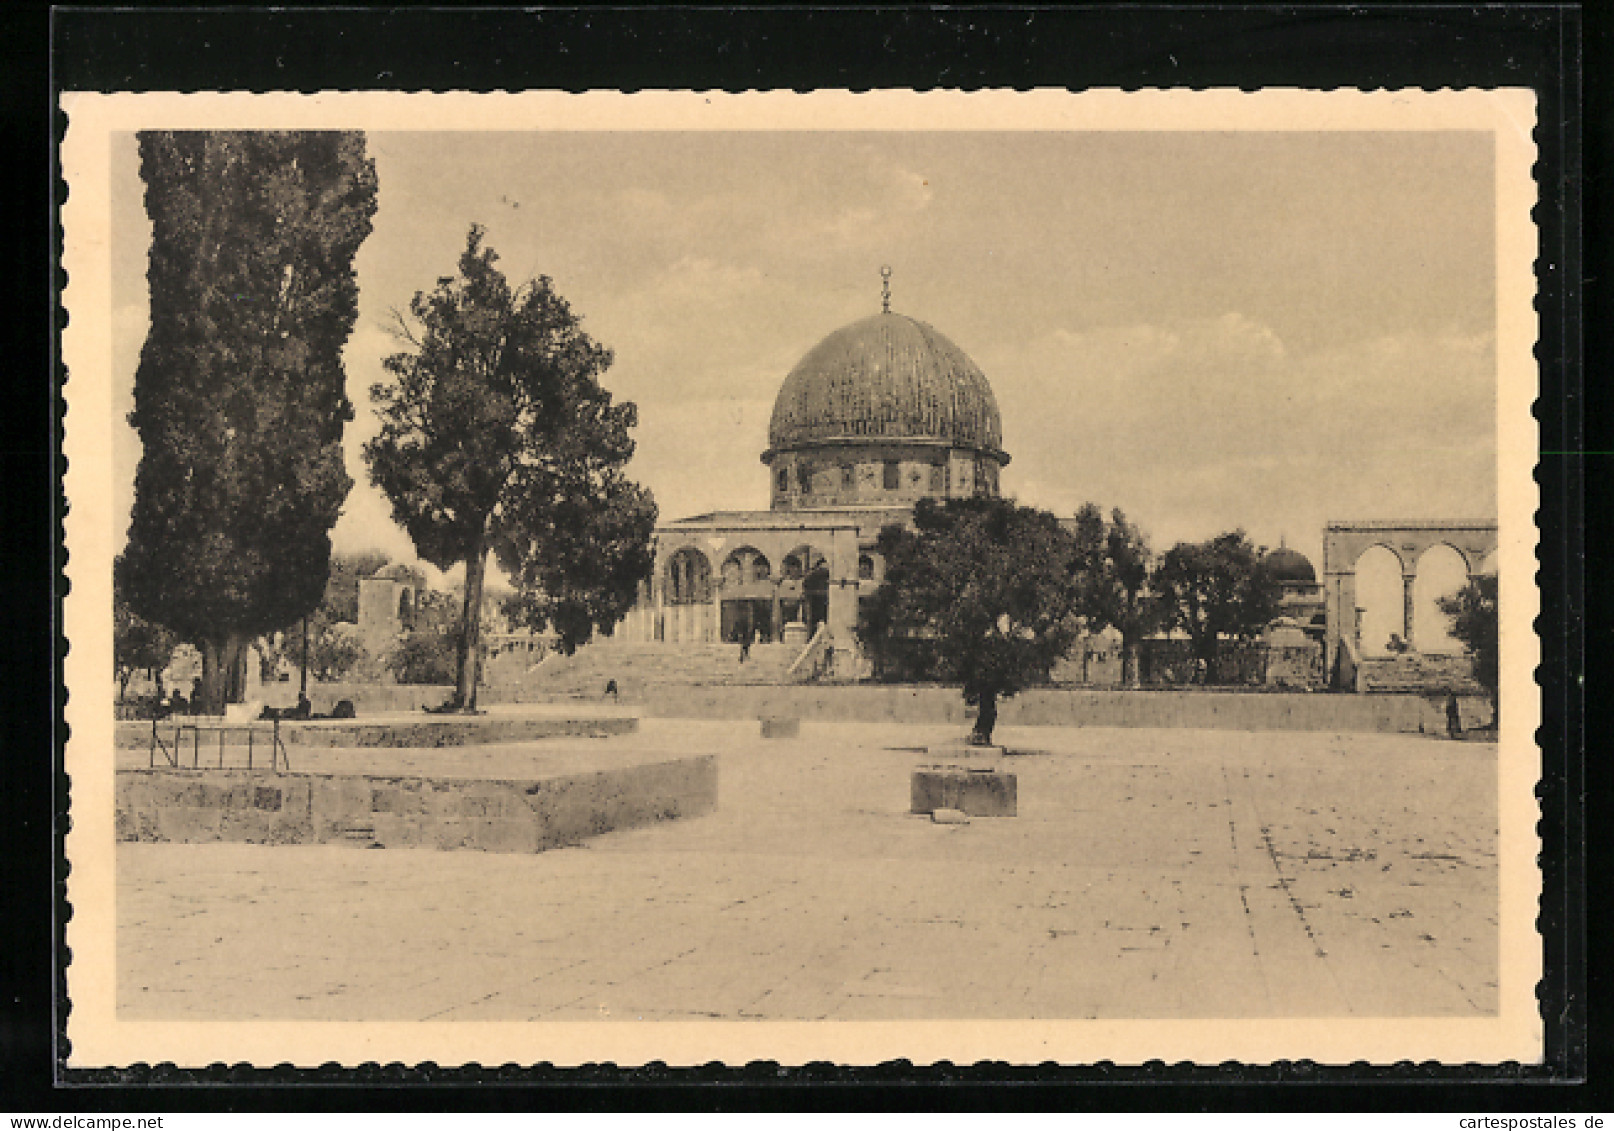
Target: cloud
(1197,426)
(692,331)
(702,455)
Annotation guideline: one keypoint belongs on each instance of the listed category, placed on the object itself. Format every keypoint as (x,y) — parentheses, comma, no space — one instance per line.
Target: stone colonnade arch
(1441,572)
(1459,548)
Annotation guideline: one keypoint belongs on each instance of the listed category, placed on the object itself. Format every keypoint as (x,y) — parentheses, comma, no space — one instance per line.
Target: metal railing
(174,755)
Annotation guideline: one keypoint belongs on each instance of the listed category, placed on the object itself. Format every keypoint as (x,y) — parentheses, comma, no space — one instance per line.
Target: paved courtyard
(1150,873)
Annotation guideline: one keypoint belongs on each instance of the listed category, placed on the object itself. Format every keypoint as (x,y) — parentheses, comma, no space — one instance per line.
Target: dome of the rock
(1285,564)
(882,413)
(888,377)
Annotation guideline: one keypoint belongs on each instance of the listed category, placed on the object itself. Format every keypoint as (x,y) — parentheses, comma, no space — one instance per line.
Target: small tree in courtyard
(137,644)
(583,547)
(240,395)
(496,435)
(1474,621)
(424,656)
(980,592)
(1215,589)
(332,652)
(1112,565)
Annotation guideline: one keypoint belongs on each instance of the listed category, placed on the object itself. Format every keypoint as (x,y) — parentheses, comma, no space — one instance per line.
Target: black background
(1308,45)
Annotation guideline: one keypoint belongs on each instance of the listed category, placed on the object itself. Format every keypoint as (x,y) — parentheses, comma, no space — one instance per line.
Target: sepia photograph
(1020,576)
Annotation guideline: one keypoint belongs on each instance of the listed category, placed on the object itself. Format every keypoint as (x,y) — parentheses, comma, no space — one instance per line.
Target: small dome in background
(396,571)
(1290,565)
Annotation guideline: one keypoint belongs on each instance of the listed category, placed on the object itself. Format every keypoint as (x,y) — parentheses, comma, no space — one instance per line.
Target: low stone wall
(188,806)
(435,732)
(418,734)
(1210,710)
(367,698)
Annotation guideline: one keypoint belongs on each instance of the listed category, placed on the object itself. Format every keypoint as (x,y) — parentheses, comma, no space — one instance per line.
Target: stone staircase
(1415,672)
(637,667)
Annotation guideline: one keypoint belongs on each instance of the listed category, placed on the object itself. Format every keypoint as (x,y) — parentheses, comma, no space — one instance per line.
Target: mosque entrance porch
(748,615)
(815,599)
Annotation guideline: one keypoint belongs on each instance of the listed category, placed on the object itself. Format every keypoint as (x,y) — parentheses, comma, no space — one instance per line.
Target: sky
(1210,331)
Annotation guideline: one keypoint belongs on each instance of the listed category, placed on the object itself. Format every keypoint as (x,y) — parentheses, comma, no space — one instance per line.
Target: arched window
(804,476)
(800,562)
(745,565)
(891,475)
(689,578)
(938,473)
(848,476)
(784,479)
(986,477)
(865,568)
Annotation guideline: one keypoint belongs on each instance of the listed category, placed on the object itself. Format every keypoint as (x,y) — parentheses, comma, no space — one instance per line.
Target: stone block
(780,726)
(949,817)
(976,792)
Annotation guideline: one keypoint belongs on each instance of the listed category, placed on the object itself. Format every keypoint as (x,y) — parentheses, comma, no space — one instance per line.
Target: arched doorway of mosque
(815,590)
(1380,601)
(748,599)
(1442,571)
(804,587)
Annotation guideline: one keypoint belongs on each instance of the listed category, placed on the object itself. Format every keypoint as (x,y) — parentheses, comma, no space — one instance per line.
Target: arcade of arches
(1383,581)
(816,581)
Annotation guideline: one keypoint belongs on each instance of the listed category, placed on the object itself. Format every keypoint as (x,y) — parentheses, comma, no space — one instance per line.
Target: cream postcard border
(99,1038)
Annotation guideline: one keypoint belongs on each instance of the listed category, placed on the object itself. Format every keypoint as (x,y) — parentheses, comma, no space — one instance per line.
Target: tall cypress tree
(240,395)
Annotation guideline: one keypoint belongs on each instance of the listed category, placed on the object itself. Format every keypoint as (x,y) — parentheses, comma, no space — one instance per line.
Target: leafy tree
(981,592)
(496,435)
(1215,589)
(239,393)
(1474,621)
(137,643)
(334,652)
(578,564)
(1112,569)
(424,657)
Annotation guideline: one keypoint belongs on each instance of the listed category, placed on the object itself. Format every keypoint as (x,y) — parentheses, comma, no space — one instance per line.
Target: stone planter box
(781,726)
(979,793)
(193,807)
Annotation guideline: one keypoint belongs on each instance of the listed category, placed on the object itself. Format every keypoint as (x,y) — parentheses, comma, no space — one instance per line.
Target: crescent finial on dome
(885,289)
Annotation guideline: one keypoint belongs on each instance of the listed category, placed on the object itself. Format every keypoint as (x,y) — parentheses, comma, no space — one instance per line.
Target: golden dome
(889,377)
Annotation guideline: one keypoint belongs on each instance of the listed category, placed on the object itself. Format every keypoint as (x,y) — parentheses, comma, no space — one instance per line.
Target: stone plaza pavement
(1150,874)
